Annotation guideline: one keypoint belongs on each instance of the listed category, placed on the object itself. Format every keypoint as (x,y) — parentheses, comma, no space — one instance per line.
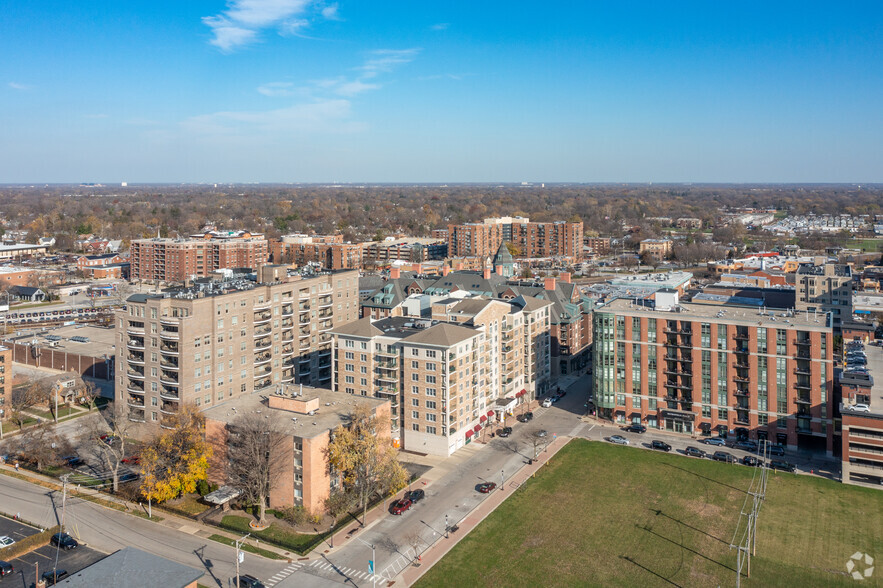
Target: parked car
(723,456)
(542,433)
(400,506)
(636,428)
(6,541)
(782,465)
(660,445)
(64,541)
(562,393)
(247,581)
(547,403)
(555,399)
(746,445)
(526,417)
(416,495)
(53,576)
(74,460)
(486,487)
(750,460)
(133,460)
(5,568)
(776,450)
(717,441)
(860,408)
(505,432)
(694,452)
(619,440)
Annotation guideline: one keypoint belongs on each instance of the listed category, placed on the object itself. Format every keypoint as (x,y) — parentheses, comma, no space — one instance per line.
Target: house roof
(359,328)
(23,290)
(130,567)
(442,335)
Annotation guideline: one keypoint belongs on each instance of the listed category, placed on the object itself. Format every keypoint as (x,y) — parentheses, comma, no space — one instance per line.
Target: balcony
(803,386)
(741,379)
(803,342)
(741,418)
(287,310)
(262,344)
(261,317)
(168,378)
(169,408)
(670,384)
(287,350)
(741,350)
(287,376)
(325,313)
(262,358)
(287,323)
(684,373)
(135,373)
(168,334)
(169,348)
(169,320)
(304,319)
(136,343)
(262,371)
(136,401)
(802,400)
(682,359)
(303,306)
(804,354)
(742,393)
(169,393)
(800,372)
(326,302)
(260,332)
(740,337)
(136,416)
(136,358)
(325,352)
(169,365)
(326,326)
(135,329)
(287,336)
(137,387)
(304,359)
(263,384)
(325,338)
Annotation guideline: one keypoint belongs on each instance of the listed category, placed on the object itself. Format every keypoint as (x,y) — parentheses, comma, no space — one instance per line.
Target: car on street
(5,568)
(6,541)
(782,465)
(416,495)
(547,403)
(635,428)
(505,432)
(660,445)
(526,417)
(746,445)
(247,581)
(750,460)
(562,393)
(400,506)
(718,441)
(774,449)
(64,541)
(618,439)
(73,460)
(694,452)
(133,460)
(53,576)
(542,433)
(555,399)
(723,456)
(486,487)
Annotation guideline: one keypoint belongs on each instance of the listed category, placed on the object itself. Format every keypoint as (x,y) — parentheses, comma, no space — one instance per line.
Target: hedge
(23,546)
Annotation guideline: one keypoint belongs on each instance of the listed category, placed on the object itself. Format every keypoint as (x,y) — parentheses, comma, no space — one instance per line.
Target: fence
(43,357)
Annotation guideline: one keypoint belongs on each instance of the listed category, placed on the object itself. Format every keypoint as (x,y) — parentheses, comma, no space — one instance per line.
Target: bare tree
(42,446)
(255,457)
(414,541)
(108,441)
(23,398)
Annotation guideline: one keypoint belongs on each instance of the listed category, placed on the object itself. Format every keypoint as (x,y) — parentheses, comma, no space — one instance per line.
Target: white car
(6,541)
(860,408)
(547,403)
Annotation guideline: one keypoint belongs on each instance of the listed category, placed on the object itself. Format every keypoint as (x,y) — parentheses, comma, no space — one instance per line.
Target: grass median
(247,547)
(603,515)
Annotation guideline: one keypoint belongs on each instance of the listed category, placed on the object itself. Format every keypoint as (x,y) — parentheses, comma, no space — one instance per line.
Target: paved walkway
(440,548)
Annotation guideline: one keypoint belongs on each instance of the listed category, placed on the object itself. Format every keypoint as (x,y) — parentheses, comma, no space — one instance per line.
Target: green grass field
(866,245)
(604,515)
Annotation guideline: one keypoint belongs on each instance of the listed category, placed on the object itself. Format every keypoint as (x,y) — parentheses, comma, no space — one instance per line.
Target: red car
(486,487)
(134,460)
(400,506)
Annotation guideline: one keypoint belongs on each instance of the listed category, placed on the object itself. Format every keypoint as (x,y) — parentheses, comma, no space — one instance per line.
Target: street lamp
(446,525)
(238,556)
(373,566)
(501,479)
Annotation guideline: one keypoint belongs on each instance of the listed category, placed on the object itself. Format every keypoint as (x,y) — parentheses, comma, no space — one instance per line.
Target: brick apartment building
(220,339)
(697,369)
(599,245)
(533,239)
(448,376)
(177,260)
(306,416)
(328,251)
(5,382)
(658,248)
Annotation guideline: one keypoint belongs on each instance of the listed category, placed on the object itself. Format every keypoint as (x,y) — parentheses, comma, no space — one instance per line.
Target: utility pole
(238,556)
(446,525)
(372,569)
(502,479)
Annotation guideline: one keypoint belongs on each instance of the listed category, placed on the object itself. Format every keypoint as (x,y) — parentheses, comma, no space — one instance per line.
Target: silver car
(619,440)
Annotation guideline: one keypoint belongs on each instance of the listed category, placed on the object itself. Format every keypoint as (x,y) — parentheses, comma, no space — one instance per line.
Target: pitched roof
(130,567)
(443,335)
(503,257)
(359,328)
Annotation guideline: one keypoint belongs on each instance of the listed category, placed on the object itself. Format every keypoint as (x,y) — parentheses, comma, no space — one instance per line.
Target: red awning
(490,413)
(522,393)
(469,433)
(476,428)
(482,419)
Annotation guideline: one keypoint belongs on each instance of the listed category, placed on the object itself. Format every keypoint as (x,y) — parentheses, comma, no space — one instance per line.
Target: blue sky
(454,91)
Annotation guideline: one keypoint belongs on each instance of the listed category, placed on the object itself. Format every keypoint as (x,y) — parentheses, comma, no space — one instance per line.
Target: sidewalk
(440,548)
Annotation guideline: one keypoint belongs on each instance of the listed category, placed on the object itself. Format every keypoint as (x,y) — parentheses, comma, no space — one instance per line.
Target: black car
(526,417)
(723,456)
(64,541)
(776,450)
(661,445)
(694,452)
(246,581)
(782,465)
(505,432)
(416,495)
(53,576)
(746,445)
(635,428)
(5,568)
(750,460)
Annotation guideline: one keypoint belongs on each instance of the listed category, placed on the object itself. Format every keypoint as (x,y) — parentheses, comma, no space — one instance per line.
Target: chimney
(549,284)
(394,273)
(459,266)
(446,269)
(564,277)
(499,270)
(487,273)
(419,269)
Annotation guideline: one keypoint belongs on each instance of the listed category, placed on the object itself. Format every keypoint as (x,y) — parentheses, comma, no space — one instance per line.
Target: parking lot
(28,566)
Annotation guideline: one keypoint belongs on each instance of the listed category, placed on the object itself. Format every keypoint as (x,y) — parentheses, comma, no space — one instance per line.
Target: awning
(519,394)
(482,419)
(469,433)
(720,428)
(476,428)
(705,426)
(490,413)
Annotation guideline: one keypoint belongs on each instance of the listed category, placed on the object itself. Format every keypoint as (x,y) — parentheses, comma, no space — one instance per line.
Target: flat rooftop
(334,409)
(90,340)
(655,280)
(875,370)
(714,313)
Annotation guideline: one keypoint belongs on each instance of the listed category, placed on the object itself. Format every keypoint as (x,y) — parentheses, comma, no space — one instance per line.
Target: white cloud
(276,89)
(330,12)
(244,19)
(319,116)
(440,26)
(20,86)
(384,60)
(354,87)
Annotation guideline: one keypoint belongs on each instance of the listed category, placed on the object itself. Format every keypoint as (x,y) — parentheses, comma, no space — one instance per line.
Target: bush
(296,515)
(203,488)
(341,503)
(23,546)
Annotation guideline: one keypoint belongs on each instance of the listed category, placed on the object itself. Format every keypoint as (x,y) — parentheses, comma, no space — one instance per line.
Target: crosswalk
(322,565)
(283,574)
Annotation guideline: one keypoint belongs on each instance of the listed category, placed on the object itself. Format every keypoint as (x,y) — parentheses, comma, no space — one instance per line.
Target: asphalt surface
(47,558)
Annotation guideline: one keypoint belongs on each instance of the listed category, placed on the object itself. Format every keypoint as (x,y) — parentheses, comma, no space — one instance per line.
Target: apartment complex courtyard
(605,515)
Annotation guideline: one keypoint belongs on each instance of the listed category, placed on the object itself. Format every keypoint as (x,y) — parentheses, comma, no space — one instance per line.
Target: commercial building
(698,369)
(227,337)
(177,260)
(826,288)
(533,239)
(658,248)
(861,418)
(22,251)
(305,417)
(447,376)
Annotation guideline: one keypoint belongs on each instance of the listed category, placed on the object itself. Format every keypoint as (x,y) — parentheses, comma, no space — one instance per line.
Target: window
(430,417)
(415,365)
(415,389)
(430,404)
(431,430)
(415,427)
(705,331)
(430,379)
(722,336)
(430,391)
(415,415)
(415,402)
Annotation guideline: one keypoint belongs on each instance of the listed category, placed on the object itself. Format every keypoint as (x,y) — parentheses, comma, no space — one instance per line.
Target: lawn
(604,515)
(275,534)
(866,245)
